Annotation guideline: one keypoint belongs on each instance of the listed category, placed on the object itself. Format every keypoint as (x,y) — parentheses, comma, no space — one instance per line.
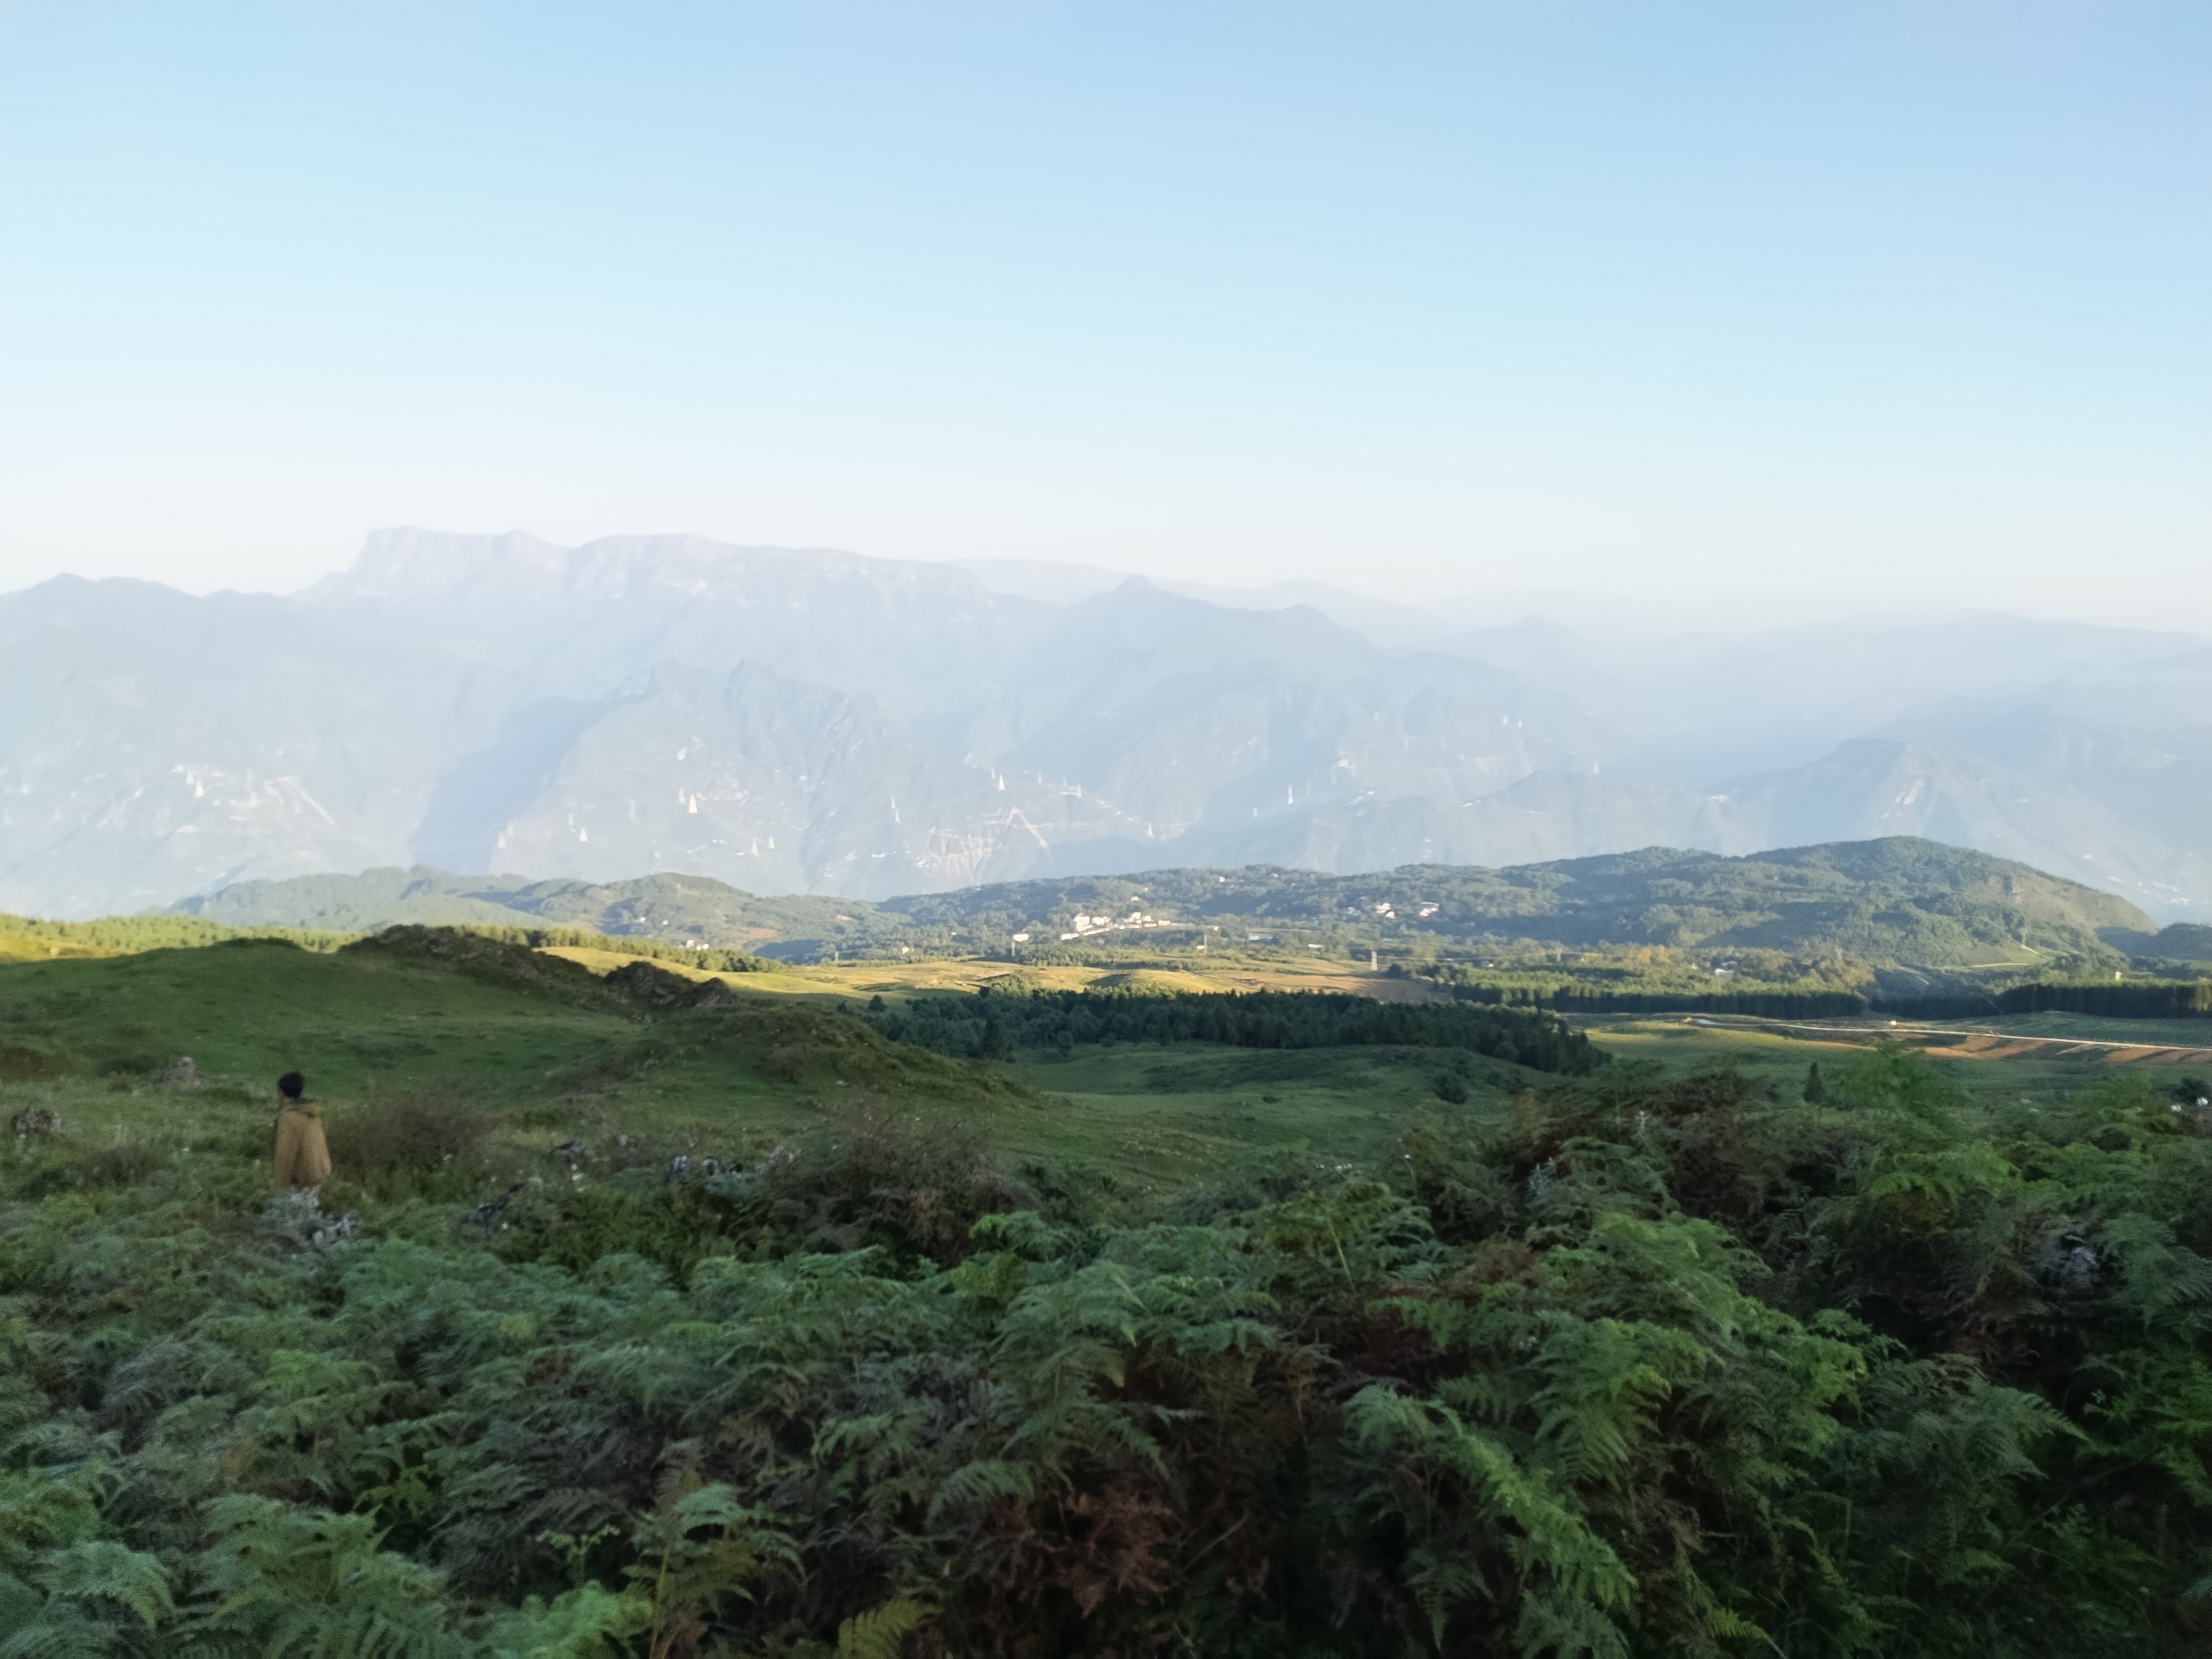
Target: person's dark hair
(291,1085)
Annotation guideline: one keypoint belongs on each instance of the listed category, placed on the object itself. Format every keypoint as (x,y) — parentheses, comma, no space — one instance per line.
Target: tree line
(123,935)
(2125,999)
(995,1026)
(2140,998)
(713,960)
(2154,998)
(1587,998)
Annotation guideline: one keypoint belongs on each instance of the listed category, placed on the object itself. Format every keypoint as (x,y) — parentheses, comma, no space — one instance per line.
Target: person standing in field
(303,1158)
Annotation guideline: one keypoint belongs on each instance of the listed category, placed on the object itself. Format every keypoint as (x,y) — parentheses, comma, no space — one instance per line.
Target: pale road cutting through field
(1985,1044)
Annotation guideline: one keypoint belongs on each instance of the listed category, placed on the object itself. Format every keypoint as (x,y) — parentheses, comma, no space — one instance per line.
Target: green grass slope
(552,1050)
(497,1024)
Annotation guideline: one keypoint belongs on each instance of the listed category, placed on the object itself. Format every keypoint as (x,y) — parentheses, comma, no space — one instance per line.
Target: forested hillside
(1898,902)
(2183,943)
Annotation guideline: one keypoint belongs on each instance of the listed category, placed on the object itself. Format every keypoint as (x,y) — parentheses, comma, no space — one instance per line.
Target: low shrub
(786,1062)
(124,1165)
(408,1133)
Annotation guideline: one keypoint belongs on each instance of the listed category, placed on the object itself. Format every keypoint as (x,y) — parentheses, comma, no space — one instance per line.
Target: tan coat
(303,1159)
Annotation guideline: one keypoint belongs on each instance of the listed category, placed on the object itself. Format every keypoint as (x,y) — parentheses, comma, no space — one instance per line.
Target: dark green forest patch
(995,1025)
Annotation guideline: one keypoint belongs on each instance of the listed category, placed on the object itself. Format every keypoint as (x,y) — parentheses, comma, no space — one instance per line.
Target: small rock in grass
(487,1214)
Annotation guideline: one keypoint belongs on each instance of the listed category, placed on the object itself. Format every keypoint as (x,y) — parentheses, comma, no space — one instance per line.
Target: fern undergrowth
(1662,1365)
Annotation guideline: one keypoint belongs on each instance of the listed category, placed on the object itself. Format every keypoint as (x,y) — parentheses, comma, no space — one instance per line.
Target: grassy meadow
(561,1055)
(544,1048)
(543,1042)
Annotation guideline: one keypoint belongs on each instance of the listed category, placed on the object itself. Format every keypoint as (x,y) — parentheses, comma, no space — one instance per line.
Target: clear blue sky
(1913,298)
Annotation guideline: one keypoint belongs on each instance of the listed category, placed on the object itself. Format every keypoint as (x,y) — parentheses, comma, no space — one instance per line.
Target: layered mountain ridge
(815,721)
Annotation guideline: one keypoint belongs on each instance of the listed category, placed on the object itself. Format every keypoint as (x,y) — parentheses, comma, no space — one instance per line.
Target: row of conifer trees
(995,1025)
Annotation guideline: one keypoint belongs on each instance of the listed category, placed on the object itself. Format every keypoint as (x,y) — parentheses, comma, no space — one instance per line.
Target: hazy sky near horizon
(1911,300)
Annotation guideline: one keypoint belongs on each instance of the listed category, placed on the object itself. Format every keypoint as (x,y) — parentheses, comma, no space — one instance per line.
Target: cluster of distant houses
(1088,924)
(1388,911)
(1084,926)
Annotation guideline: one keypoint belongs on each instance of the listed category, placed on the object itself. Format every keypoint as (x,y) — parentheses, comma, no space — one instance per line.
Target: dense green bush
(1660,1365)
(411,1132)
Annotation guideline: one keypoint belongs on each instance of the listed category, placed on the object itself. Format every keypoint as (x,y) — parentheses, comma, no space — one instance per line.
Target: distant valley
(809,722)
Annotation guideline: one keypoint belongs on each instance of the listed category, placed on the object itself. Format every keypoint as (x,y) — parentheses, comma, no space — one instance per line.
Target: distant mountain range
(814,722)
(1895,903)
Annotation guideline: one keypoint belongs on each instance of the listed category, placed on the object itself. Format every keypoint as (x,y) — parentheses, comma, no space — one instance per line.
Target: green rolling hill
(672,908)
(1899,903)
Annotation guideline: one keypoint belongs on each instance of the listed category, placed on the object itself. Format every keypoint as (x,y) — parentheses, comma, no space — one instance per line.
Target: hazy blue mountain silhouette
(811,720)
